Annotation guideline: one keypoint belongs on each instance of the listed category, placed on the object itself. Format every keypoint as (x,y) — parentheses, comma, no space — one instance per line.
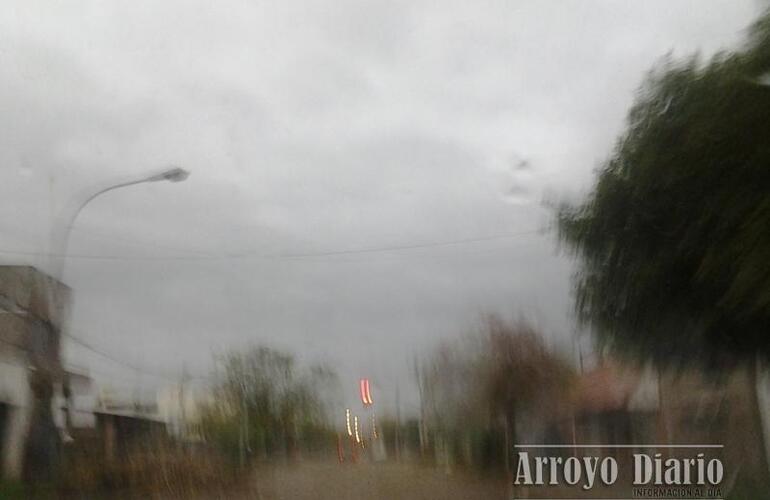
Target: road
(386,481)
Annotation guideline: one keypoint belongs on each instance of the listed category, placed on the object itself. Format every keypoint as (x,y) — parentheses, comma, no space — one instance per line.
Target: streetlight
(44,357)
(60,234)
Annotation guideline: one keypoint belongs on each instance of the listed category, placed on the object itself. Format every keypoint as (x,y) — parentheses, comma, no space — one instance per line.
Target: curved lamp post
(44,361)
(61,232)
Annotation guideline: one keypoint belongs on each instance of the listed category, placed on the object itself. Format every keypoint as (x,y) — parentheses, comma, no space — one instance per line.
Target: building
(33,310)
(723,407)
(641,406)
(102,423)
(180,405)
(615,404)
(123,425)
(79,401)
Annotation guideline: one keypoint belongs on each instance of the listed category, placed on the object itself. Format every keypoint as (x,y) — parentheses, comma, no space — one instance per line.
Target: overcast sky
(312,129)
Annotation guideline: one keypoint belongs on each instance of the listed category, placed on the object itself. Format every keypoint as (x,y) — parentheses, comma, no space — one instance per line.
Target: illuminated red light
(366,393)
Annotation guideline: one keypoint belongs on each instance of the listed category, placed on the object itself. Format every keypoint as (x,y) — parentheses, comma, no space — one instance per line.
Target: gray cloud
(313,127)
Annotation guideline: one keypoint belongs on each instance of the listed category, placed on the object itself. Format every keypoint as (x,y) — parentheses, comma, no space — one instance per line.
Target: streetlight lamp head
(174,174)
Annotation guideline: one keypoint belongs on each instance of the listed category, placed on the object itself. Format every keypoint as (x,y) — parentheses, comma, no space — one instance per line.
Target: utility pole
(243,442)
(182,407)
(421,428)
(398,425)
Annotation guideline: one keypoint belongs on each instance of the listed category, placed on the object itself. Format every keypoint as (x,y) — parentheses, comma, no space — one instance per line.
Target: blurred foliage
(264,404)
(674,239)
(408,434)
(517,370)
(13,490)
(475,388)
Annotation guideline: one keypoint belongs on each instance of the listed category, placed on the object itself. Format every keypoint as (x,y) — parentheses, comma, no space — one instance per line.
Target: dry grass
(158,471)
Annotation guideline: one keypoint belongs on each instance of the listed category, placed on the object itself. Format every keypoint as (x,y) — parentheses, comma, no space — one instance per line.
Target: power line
(90,347)
(416,246)
(29,253)
(328,253)
(141,370)
(137,243)
(288,256)
(126,364)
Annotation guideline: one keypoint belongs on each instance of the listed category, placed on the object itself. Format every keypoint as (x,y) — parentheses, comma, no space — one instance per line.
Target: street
(330,480)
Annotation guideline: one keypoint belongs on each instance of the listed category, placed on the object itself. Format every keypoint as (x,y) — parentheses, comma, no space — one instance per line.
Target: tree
(519,372)
(482,383)
(674,239)
(263,401)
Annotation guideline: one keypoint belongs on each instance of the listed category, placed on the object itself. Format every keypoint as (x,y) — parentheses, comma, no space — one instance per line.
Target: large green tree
(674,239)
